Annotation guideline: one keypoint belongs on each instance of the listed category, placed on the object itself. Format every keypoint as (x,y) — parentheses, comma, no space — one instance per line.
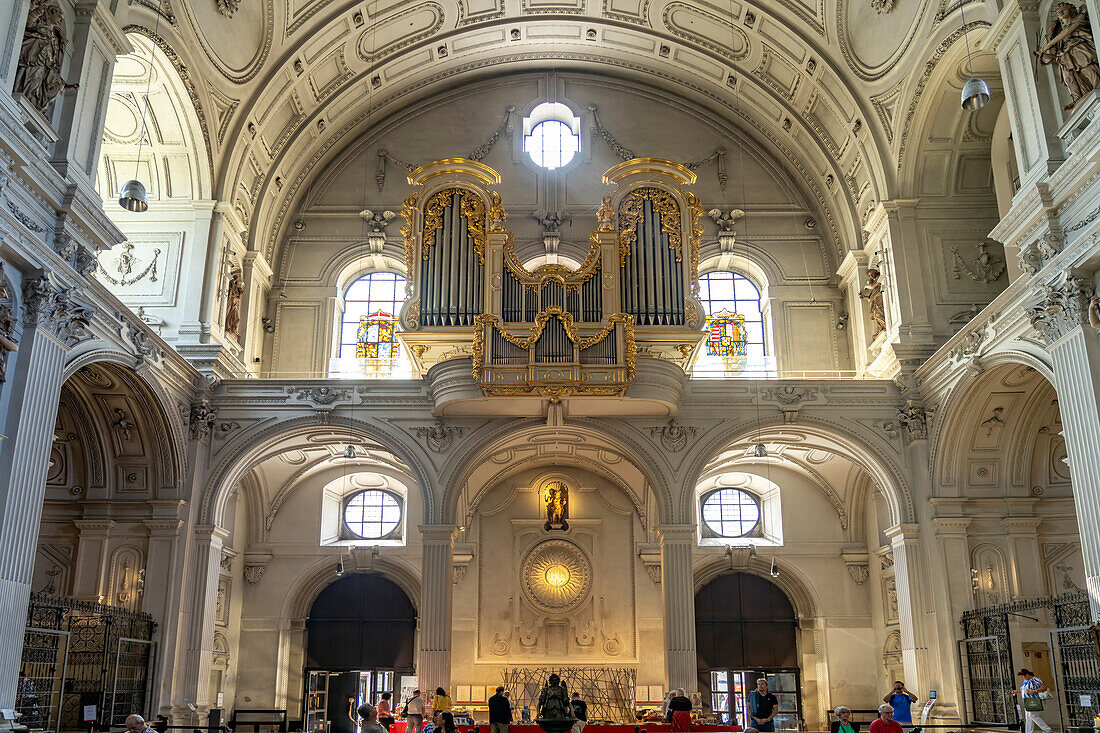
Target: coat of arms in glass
(726,336)
(375,338)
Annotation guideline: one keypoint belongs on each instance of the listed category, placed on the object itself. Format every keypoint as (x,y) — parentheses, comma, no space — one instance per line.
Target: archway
(746,629)
(361,637)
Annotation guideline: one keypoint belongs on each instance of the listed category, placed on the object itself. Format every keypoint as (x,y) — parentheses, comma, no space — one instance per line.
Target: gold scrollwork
(497,214)
(695,210)
(471,207)
(408,210)
(570,279)
(630,214)
(566,318)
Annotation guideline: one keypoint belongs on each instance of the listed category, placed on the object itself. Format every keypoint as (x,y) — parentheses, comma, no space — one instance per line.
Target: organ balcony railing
(552,331)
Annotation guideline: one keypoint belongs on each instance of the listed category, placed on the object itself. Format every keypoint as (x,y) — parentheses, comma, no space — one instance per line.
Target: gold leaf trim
(631,209)
(470,205)
(570,279)
(695,211)
(408,210)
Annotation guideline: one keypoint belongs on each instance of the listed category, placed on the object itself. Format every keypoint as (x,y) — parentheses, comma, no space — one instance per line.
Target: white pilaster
(54,323)
(90,572)
(678,595)
(911,611)
(1059,315)
(434,663)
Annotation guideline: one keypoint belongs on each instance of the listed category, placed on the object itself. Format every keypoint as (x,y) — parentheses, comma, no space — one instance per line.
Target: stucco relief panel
(237,46)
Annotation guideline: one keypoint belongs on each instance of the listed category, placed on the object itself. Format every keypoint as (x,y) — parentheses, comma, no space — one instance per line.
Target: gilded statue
(557,505)
(554,700)
(872,293)
(233,304)
(1072,47)
(38,76)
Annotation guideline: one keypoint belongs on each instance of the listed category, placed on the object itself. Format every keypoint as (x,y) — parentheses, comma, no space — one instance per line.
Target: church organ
(553,331)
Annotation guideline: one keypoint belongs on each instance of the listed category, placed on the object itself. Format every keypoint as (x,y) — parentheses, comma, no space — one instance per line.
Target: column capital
(1060,306)
(163,527)
(59,310)
(93,526)
(438,534)
(948,526)
(208,533)
(679,534)
(1021,525)
(902,533)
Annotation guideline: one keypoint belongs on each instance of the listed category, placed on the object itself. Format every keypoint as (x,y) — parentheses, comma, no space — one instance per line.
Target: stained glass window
(375,339)
(726,335)
(732,293)
(378,292)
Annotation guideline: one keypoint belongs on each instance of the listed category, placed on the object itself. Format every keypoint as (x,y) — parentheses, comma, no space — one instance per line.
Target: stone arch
(601,448)
(868,451)
(996,409)
(249,447)
(309,584)
(143,411)
(790,581)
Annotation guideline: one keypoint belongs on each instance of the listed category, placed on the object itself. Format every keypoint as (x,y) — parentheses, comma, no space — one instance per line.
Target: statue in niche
(554,701)
(557,506)
(38,76)
(1072,47)
(233,304)
(872,293)
(7,322)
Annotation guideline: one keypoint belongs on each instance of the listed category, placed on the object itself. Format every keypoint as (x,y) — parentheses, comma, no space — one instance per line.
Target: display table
(399,727)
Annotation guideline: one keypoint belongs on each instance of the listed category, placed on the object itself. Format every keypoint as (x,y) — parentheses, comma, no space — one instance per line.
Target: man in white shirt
(414,713)
(1030,687)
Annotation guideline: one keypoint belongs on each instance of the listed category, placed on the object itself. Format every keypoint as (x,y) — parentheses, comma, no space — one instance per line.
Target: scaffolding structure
(608,691)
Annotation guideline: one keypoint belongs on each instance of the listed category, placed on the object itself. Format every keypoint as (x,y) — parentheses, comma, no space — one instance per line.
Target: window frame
(400,281)
(762,321)
(550,111)
(347,533)
(708,532)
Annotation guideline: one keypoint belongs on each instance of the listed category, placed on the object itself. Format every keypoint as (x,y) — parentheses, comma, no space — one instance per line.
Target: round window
(372,514)
(730,512)
(552,144)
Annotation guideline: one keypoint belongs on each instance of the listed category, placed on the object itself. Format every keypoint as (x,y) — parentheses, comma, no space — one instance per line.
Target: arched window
(551,135)
(368,329)
(735,323)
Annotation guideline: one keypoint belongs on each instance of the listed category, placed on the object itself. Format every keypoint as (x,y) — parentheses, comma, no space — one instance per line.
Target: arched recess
(1000,436)
(249,448)
(496,454)
(175,162)
(304,591)
(361,621)
(865,451)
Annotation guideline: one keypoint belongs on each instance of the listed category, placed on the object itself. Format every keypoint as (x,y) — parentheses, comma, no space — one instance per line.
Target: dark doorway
(745,629)
(361,637)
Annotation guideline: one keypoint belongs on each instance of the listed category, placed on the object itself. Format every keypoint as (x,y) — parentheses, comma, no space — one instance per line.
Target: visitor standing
(580,712)
(763,707)
(1030,701)
(843,722)
(901,700)
(500,711)
(368,719)
(414,713)
(885,722)
(665,714)
(680,708)
(385,712)
(447,722)
(511,702)
(442,701)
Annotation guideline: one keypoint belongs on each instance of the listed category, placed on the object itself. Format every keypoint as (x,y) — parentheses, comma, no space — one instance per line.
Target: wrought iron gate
(42,678)
(106,660)
(986,660)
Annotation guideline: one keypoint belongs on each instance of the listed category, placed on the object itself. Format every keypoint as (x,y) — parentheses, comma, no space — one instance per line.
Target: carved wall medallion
(439,437)
(673,435)
(556,576)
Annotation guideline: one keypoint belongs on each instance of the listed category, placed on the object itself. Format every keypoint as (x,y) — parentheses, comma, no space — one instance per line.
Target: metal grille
(86,654)
(1076,661)
(987,679)
(42,678)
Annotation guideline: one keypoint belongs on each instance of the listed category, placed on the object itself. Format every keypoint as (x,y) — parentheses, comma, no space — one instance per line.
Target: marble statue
(872,293)
(554,701)
(1072,47)
(38,77)
(233,304)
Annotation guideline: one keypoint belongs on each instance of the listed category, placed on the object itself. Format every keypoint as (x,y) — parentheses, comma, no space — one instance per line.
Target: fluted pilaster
(434,657)
(678,594)
(911,611)
(52,325)
(1059,315)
